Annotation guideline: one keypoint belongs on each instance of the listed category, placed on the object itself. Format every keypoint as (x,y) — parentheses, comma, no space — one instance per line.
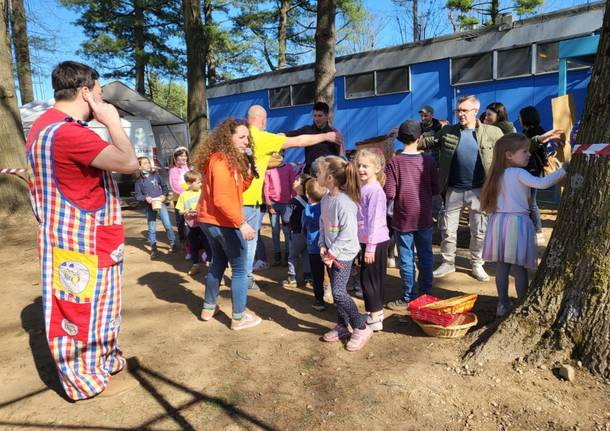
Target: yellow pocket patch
(74,273)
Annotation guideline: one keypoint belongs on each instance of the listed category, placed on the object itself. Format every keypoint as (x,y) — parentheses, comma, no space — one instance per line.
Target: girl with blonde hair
(373,233)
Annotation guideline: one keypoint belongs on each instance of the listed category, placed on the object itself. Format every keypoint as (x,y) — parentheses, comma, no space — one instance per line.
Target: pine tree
(127,38)
(487,8)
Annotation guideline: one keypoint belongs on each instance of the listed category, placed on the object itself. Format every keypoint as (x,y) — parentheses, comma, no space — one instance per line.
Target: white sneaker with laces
(479,273)
(443,269)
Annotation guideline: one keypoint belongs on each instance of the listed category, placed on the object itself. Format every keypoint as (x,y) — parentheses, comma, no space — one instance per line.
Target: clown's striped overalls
(81,254)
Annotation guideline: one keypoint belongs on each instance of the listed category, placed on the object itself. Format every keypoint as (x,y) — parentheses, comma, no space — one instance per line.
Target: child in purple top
(411,181)
(372,233)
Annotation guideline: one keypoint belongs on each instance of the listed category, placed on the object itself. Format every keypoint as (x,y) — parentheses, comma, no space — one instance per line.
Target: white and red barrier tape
(12,170)
(599,149)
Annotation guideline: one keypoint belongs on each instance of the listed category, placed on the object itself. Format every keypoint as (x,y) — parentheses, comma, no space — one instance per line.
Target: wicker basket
(457,329)
(458,304)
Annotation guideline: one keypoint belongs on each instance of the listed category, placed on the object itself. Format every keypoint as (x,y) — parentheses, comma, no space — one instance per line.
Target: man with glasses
(465,154)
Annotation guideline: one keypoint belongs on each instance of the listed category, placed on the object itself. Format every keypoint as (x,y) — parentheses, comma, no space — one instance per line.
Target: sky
(52,19)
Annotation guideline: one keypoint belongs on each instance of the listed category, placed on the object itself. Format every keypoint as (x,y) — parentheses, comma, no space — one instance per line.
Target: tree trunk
(566,313)
(13,191)
(210,60)
(196,52)
(281,33)
(139,53)
(325,54)
(416,32)
(22,51)
(494,11)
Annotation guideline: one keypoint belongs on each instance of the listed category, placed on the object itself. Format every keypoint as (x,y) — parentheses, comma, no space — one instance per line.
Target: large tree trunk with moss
(326,36)
(22,51)
(196,53)
(566,313)
(13,191)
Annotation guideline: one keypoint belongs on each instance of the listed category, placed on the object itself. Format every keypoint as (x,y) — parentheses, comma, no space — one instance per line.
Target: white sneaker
(443,269)
(479,273)
(375,325)
(260,264)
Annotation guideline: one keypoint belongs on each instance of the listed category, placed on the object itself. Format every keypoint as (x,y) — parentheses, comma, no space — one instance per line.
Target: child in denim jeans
(411,182)
(277,193)
(150,187)
(298,241)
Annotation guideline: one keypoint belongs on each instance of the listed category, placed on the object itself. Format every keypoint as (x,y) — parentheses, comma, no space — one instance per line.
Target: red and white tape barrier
(12,170)
(599,149)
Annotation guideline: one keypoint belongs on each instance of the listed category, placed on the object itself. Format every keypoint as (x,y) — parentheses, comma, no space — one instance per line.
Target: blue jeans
(279,222)
(252,215)
(298,250)
(407,242)
(260,254)
(228,246)
(151,218)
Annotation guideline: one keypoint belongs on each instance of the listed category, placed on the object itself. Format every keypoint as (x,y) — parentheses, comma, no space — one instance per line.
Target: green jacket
(446,141)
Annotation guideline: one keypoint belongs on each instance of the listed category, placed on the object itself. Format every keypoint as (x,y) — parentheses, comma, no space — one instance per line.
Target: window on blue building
(361,85)
(279,97)
(302,94)
(514,62)
(393,80)
(547,58)
(474,68)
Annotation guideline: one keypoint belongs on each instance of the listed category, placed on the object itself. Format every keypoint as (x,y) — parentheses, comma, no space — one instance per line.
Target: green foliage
(257,27)
(111,37)
(490,9)
(170,95)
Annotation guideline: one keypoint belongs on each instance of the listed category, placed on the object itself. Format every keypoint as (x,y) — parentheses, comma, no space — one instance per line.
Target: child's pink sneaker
(208,313)
(359,338)
(338,333)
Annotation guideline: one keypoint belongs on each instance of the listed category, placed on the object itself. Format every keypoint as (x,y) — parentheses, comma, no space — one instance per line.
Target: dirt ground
(280,375)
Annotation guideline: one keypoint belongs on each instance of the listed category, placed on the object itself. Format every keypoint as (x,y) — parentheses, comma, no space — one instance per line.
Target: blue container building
(515,62)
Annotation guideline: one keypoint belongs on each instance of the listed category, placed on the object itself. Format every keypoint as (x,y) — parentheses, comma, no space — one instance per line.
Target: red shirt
(74,149)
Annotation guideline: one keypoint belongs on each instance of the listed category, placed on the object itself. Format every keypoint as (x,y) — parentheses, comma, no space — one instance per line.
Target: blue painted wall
(366,117)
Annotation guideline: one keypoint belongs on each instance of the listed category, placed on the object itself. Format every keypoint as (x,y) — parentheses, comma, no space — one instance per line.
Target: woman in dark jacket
(530,120)
(496,115)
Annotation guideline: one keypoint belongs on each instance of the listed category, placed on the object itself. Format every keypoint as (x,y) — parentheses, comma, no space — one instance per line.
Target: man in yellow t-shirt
(265,144)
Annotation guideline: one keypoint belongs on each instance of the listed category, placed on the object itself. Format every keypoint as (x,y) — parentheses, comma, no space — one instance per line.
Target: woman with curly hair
(226,173)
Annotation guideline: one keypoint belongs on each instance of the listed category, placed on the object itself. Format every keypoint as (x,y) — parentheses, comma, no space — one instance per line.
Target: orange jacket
(221,199)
